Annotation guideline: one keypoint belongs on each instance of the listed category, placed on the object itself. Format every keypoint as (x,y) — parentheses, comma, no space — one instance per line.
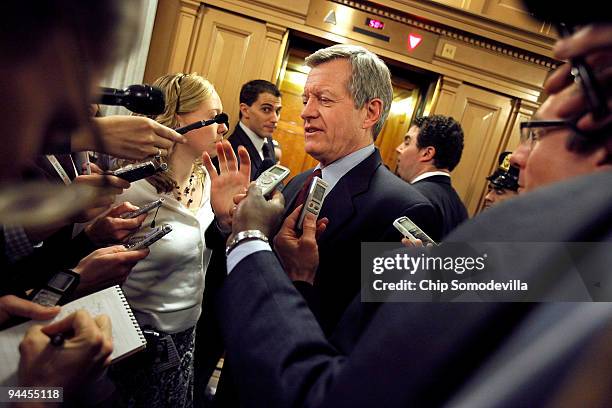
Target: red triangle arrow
(414,40)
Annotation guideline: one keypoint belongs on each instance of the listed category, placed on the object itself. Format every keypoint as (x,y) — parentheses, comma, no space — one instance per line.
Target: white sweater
(165,289)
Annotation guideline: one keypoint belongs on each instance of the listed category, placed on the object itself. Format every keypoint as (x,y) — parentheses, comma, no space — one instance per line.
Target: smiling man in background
(260,107)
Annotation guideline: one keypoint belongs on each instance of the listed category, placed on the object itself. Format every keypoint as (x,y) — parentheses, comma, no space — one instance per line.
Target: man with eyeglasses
(553,149)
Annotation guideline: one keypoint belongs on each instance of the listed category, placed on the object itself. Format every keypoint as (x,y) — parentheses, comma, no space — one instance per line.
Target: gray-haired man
(347,98)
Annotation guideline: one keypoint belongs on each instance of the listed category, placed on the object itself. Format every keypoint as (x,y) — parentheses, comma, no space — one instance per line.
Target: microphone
(220,118)
(143,99)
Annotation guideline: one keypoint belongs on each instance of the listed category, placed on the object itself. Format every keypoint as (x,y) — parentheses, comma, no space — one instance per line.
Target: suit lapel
(241,138)
(338,206)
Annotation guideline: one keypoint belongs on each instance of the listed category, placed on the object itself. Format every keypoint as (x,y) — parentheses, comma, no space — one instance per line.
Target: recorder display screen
(277,171)
(318,193)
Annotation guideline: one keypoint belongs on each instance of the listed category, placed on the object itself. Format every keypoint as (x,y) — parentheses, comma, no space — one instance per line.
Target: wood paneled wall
(492,59)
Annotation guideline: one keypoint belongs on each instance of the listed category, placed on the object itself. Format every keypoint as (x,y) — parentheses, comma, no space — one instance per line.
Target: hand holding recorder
(297,249)
(412,231)
(121,221)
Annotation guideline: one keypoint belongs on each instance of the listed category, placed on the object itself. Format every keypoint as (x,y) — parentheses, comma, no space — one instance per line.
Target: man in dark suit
(347,98)
(260,107)
(416,354)
(398,354)
(430,151)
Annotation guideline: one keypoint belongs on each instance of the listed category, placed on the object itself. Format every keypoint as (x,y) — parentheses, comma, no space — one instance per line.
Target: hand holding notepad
(126,336)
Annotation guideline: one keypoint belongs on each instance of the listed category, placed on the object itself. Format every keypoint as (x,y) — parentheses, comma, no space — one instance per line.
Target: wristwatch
(58,288)
(244,236)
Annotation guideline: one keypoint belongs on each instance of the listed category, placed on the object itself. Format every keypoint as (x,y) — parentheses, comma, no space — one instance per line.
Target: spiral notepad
(127,336)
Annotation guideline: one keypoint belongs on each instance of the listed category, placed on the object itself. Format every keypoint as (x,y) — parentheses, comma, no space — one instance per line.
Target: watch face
(61,281)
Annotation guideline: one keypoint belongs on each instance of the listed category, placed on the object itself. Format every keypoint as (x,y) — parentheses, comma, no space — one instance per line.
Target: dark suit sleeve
(57,252)
(405,356)
(271,336)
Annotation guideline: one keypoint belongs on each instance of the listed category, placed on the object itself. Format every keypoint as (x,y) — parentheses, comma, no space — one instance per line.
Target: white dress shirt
(165,289)
(429,174)
(257,141)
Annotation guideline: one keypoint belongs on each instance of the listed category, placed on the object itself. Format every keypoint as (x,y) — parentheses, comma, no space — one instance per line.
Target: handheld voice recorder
(138,171)
(314,200)
(411,231)
(269,179)
(144,209)
(144,241)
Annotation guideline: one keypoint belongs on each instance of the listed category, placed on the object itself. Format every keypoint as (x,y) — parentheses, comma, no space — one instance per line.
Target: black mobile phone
(135,172)
(144,209)
(58,288)
(144,241)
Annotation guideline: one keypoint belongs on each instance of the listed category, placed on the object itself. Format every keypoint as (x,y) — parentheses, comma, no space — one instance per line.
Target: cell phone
(138,171)
(144,241)
(144,209)
(57,289)
(411,231)
(269,179)
(314,200)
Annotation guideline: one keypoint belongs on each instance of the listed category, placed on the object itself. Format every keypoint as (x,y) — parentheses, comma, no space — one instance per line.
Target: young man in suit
(260,107)
(503,183)
(430,151)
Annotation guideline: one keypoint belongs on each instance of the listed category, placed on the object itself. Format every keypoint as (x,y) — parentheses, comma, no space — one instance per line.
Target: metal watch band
(245,235)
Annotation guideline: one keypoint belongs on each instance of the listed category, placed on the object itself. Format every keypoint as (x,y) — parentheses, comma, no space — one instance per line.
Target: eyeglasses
(178,92)
(221,118)
(534,130)
(583,75)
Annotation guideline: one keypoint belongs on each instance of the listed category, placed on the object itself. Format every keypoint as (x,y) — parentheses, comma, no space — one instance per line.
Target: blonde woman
(166,291)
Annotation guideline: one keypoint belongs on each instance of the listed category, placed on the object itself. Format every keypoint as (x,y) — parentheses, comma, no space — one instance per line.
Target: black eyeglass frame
(178,92)
(592,138)
(529,124)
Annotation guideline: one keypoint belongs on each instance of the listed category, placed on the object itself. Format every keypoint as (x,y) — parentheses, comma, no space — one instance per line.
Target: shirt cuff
(17,243)
(243,250)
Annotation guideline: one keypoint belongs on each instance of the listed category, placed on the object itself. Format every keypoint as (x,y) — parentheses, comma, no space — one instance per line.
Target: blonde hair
(184,94)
